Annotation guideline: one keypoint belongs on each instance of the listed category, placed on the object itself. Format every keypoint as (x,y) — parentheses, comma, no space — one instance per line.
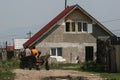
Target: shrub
(6,67)
(92,66)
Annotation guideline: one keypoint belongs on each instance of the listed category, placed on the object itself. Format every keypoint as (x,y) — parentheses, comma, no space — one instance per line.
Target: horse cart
(31,62)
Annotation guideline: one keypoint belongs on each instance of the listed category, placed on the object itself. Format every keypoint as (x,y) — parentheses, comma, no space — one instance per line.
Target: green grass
(7,75)
(69,66)
(113,76)
(6,68)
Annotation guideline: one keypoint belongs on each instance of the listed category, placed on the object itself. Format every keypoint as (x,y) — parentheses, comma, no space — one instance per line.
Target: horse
(33,62)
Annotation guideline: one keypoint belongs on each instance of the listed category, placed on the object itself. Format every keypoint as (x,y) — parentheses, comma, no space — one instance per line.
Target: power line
(116,30)
(110,20)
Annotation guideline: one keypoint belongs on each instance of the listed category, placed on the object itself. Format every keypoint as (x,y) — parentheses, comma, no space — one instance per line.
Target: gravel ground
(40,74)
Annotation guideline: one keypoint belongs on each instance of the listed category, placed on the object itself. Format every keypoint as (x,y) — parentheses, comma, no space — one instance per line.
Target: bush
(7,75)
(6,69)
(92,66)
(55,65)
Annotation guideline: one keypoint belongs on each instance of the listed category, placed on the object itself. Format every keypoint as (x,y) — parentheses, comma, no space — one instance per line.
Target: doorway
(89,53)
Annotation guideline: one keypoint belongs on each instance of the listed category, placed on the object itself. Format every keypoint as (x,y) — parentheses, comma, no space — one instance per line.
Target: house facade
(70,35)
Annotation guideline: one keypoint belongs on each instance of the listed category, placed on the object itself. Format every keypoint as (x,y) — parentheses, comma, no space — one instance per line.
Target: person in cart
(36,54)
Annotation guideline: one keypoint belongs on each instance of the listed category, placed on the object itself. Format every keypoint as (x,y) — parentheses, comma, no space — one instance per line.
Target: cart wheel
(37,66)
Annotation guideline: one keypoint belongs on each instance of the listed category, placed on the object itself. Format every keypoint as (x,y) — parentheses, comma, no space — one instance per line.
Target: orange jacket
(34,51)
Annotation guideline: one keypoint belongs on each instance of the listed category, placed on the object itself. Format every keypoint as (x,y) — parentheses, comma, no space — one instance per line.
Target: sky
(18,17)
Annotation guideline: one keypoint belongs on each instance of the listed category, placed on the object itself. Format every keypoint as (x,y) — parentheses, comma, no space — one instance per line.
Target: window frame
(84,22)
(71,27)
(56,51)
(67,27)
(76,27)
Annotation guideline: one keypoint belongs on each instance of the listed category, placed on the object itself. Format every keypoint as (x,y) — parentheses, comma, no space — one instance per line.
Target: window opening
(76,26)
(56,51)
(67,26)
(85,27)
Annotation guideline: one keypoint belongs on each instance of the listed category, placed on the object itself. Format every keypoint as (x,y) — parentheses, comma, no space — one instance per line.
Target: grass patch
(88,67)
(95,68)
(7,75)
(112,76)
(6,68)
(92,66)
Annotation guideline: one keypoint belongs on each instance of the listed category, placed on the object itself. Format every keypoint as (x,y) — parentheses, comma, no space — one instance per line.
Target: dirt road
(39,75)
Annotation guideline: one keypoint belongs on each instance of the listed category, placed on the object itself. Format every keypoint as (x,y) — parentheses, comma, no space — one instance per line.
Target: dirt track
(39,75)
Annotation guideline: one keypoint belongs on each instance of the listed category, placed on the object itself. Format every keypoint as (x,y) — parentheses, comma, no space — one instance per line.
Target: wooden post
(70,57)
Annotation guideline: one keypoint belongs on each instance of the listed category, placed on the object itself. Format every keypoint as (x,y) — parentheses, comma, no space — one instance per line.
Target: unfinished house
(70,36)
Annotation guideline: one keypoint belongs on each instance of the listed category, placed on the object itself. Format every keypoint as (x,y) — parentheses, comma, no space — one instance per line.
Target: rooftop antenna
(65,4)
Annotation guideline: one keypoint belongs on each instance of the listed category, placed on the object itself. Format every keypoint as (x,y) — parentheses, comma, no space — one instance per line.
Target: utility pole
(29,34)
(65,4)
(6,45)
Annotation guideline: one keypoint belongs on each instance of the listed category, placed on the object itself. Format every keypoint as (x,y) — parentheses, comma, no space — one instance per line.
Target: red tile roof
(10,48)
(49,25)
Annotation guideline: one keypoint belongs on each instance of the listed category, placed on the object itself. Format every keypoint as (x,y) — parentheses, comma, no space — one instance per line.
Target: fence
(108,54)
(4,55)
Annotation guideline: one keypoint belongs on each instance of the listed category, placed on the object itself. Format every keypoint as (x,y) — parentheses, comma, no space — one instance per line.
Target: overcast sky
(18,17)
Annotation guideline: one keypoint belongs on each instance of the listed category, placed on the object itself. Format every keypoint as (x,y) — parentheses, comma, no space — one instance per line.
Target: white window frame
(83,26)
(56,51)
(70,27)
(76,27)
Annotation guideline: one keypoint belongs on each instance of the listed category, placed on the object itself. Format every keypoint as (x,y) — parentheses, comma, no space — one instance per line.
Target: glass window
(53,51)
(56,51)
(76,26)
(84,26)
(67,26)
(59,51)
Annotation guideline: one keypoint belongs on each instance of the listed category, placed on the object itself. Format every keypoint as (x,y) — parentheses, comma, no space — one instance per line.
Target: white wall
(18,43)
